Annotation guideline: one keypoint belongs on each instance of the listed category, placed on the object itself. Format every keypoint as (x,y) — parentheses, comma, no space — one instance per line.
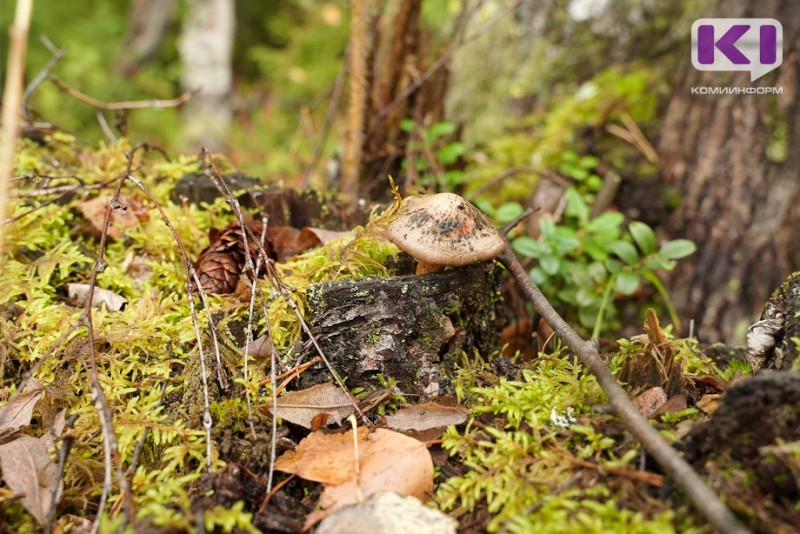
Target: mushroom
(444,230)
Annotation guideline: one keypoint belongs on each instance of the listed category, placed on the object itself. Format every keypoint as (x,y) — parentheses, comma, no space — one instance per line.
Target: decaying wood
(770,341)
(413,329)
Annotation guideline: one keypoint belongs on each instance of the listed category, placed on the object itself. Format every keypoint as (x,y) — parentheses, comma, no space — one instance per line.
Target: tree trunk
(205,46)
(734,162)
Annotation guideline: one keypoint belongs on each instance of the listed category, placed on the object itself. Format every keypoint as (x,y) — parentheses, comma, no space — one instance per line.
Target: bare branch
(12,98)
(705,500)
(117,106)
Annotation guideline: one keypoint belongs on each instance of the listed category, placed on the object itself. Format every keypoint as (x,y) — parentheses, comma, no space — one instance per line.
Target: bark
(206,51)
(148,24)
(731,159)
(413,329)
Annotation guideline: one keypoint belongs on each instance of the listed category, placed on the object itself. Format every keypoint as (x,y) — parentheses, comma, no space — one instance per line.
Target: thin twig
(12,98)
(105,415)
(705,500)
(192,285)
(117,106)
(39,79)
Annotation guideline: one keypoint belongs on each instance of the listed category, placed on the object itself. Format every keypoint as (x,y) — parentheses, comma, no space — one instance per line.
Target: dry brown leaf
(301,407)
(324,236)
(94,211)
(287,241)
(388,461)
(18,411)
(426,416)
(29,471)
(79,294)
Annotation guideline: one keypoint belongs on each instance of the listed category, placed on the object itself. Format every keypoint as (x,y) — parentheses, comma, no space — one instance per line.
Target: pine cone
(220,264)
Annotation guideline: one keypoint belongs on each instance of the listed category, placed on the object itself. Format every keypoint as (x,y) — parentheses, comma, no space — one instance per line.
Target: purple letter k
(726,44)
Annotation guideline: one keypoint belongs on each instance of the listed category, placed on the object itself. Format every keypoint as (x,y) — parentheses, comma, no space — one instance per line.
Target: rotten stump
(413,329)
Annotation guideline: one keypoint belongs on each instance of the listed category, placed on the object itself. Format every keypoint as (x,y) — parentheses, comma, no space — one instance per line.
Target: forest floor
(234,409)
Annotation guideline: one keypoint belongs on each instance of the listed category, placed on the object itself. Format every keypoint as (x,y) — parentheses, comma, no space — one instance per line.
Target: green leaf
(677,249)
(547,226)
(528,246)
(606,222)
(508,211)
(485,206)
(407,125)
(442,128)
(597,271)
(576,206)
(589,162)
(658,262)
(626,283)
(449,153)
(538,276)
(550,264)
(585,297)
(594,250)
(626,251)
(644,237)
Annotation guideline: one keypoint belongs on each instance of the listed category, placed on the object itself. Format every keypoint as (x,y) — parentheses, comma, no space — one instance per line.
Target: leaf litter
(387,461)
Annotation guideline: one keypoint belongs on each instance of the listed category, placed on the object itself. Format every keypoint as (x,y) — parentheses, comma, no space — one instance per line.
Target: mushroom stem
(425,268)
(703,498)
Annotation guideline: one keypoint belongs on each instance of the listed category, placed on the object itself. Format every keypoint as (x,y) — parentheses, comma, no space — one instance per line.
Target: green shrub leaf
(677,249)
(626,251)
(644,237)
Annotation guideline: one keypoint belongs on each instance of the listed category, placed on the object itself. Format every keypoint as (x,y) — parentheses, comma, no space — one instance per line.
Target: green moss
(521,470)
(46,249)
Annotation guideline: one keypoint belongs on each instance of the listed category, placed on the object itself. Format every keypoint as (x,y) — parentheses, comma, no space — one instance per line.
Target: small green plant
(585,261)
(434,151)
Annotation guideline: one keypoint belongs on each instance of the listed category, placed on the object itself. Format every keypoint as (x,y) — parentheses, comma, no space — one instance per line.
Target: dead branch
(12,98)
(118,106)
(105,415)
(705,500)
(58,54)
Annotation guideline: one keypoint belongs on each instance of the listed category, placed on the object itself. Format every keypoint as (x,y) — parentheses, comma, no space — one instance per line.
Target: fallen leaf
(262,348)
(324,236)
(287,241)
(29,471)
(650,401)
(122,218)
(18,411)
(301,407)
(79,294)
(388,461)
(426,416)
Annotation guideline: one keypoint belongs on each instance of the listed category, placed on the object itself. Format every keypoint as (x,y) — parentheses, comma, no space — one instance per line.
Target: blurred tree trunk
(147,24)
(206,53)
(734,161)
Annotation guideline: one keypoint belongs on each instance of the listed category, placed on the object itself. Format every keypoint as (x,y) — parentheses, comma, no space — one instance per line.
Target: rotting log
(412,329)
(771,340)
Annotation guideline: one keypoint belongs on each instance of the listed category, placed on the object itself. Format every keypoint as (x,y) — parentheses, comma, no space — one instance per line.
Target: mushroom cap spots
(444,229)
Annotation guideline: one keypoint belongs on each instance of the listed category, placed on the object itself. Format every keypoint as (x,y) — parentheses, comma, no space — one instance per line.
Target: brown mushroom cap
(444,229)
